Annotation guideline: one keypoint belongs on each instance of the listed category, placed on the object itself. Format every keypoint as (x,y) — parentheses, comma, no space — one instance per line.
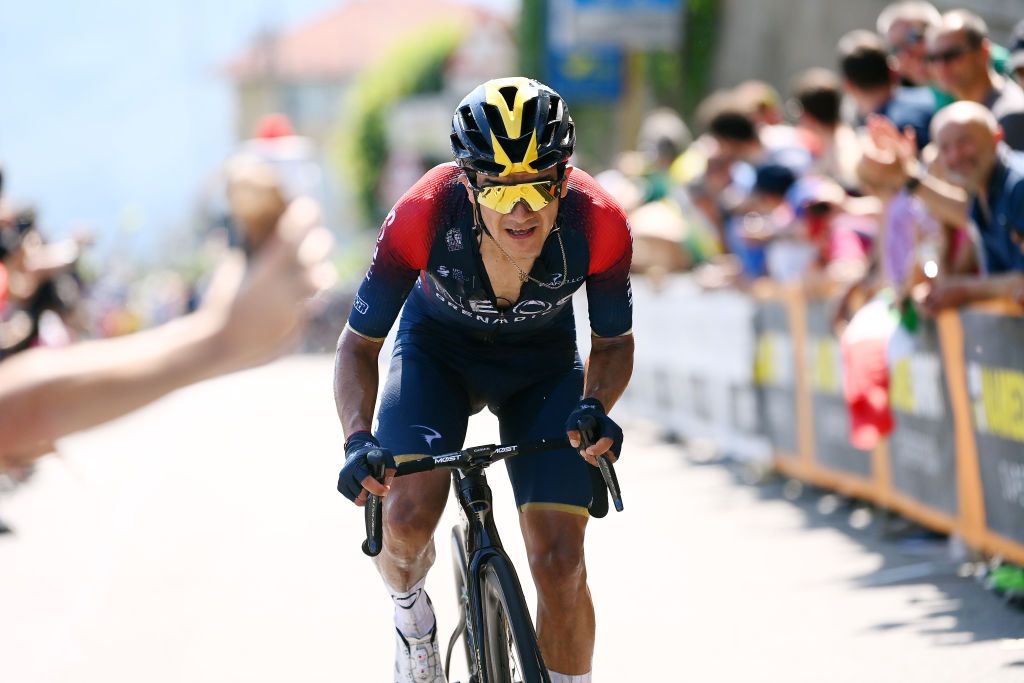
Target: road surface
(201,541)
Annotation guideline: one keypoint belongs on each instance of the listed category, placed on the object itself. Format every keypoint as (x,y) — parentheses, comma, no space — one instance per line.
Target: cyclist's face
(523,230)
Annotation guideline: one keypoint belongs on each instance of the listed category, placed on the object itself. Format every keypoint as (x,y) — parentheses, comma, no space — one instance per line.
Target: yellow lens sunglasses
(503,198)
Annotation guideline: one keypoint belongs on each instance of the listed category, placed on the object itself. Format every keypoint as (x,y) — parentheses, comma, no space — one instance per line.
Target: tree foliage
(361,138)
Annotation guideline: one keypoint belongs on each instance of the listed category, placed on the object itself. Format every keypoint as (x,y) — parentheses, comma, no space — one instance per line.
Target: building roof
(347,39)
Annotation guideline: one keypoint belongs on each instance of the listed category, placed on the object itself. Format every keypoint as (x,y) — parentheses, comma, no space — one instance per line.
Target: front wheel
(511,654)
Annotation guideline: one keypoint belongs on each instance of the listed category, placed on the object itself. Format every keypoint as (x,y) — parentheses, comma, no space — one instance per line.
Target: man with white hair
(970,147)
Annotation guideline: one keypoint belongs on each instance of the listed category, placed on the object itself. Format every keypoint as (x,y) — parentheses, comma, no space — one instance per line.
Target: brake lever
(374,542)
(586,425)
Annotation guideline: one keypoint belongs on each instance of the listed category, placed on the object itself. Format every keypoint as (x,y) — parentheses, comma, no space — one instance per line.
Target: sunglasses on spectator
(914,37)
(947,56)
(503,198)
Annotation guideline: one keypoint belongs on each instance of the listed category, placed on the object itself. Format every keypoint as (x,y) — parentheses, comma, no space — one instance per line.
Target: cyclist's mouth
(522,233)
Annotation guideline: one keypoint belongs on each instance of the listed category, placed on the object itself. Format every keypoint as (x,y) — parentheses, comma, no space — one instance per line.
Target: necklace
(524,277)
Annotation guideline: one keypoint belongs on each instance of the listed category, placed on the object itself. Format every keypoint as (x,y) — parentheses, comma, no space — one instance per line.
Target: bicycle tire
(508,630)
(461,566)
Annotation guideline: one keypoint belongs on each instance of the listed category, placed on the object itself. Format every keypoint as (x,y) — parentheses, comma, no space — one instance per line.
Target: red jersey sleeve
(401,252)
(609,294)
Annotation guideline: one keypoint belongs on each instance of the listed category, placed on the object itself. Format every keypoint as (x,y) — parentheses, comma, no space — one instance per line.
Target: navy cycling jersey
(427,256)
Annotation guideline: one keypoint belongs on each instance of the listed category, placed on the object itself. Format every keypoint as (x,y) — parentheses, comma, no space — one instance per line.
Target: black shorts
(434,385)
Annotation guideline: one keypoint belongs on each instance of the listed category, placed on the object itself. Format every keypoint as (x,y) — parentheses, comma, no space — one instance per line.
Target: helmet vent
(553,109)
(468,122)
(509,92)
(477,139)
(548,136)
(495,121)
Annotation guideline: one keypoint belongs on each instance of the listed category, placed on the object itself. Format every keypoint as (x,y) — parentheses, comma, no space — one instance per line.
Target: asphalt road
(201,541)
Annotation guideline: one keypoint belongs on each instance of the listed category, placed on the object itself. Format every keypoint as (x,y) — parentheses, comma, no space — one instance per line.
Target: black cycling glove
(358,446)
(602,424)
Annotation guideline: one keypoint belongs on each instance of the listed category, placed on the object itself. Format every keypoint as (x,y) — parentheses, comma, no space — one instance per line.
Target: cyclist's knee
(409,526)
(558,567)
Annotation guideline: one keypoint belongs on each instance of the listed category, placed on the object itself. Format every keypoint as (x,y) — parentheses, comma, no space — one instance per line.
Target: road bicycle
(494,621)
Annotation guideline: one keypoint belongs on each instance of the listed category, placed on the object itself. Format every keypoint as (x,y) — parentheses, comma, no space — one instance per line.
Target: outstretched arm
(251,315)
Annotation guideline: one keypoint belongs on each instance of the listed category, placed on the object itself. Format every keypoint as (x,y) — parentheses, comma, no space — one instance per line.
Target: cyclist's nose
(520,209)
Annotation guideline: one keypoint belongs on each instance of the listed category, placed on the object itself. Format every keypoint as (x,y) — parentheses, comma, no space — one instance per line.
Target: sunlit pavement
(202,541)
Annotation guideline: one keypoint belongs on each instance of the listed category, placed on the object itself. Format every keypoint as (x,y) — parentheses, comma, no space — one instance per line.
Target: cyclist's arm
(610,300)
(356,377)
(401,253)
(609,368)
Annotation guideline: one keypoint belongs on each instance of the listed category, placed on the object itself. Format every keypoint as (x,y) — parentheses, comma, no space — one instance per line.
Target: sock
(414,616)
(565,678)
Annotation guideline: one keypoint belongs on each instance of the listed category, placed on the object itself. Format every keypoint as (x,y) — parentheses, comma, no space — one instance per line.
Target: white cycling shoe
(418,660)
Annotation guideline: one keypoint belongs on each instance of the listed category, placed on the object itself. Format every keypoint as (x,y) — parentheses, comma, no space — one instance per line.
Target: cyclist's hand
(605,437)
(355,479)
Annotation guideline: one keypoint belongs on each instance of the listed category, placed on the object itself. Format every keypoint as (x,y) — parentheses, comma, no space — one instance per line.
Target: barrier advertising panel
(994,357)
(922,447)
(832,448)
(775,377)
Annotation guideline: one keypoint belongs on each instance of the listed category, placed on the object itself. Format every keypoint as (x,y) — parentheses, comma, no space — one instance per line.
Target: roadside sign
(631,24)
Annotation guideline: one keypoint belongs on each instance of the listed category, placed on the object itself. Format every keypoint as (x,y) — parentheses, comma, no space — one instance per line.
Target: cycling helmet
(512,125)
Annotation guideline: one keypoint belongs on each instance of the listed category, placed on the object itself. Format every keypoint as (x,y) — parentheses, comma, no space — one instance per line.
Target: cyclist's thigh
(424,411)
(555,480)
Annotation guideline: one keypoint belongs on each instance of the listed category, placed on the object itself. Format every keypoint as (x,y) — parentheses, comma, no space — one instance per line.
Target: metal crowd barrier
(759,375)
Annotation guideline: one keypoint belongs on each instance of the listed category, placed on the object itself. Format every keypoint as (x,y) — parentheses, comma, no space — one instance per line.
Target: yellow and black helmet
(512,125)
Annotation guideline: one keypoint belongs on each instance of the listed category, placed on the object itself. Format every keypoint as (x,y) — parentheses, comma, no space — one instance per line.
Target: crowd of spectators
(898,168)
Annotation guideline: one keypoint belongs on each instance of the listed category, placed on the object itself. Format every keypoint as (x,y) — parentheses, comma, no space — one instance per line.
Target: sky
(116,110)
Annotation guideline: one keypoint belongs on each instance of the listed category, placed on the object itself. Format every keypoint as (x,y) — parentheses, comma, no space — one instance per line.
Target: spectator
(959,52)
(968,139)
(817,96)
(662,138)
(739,138)
(43,288)
(1016,60)
(872,83)
(909,239)
(904,26)
(761,102)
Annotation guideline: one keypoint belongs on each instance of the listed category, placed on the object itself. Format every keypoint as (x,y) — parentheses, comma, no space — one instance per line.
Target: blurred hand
(757,229)
(255,198)
(263,307)
(947,294)
(889,157)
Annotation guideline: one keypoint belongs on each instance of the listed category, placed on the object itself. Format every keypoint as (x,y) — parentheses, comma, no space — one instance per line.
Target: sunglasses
(912,38)
(503,198)
(946,56)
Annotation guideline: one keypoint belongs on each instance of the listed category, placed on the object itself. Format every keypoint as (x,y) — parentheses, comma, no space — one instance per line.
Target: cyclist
(485,254)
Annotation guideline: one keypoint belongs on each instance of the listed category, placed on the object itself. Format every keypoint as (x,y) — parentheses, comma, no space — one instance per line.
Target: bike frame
(483,544)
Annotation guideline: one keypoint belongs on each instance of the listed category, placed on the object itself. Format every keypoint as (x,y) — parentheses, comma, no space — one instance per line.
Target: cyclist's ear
(565,180)
(469,189)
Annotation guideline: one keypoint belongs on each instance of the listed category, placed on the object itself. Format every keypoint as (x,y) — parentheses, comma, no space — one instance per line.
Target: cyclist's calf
(554,544)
